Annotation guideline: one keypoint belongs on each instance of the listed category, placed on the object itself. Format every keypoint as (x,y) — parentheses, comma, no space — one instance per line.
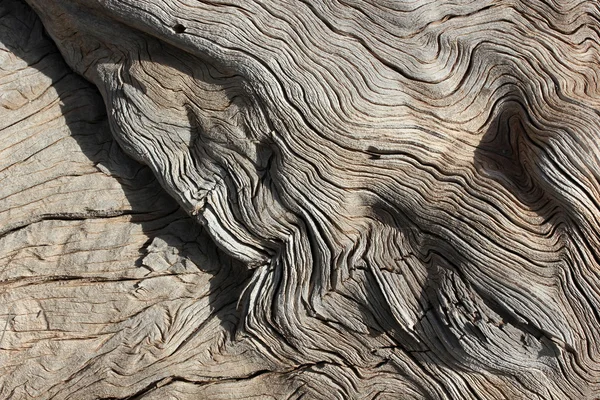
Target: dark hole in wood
(178,28)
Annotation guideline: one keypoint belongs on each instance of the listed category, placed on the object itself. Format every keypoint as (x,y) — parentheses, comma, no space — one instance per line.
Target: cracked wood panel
(409,189)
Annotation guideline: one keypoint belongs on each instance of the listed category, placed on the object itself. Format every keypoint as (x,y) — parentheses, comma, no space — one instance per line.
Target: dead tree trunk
(372,199)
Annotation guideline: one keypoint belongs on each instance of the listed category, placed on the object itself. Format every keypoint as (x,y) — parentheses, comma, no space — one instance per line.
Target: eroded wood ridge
(409,189)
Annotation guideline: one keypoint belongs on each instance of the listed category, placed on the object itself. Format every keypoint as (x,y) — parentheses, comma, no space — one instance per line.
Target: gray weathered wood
(405,196)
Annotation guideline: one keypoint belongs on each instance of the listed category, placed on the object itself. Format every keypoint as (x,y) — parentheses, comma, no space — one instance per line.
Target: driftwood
(373,199)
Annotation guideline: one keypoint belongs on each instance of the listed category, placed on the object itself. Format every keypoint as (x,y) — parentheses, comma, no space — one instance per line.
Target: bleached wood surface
(407,194)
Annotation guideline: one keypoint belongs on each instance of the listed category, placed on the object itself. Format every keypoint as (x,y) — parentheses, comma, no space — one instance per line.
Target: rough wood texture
(407,193)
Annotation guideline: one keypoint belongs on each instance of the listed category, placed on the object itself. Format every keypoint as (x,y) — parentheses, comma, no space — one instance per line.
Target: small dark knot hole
(178,28)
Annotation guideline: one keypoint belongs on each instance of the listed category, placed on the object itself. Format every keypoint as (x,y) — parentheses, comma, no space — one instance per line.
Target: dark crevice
(173,379)
(77,216)
(178,28)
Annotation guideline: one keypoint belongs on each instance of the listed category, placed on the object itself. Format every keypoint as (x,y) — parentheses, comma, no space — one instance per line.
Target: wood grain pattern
(409,191)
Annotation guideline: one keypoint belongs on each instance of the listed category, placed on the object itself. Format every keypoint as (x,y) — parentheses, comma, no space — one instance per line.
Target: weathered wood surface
(407,193)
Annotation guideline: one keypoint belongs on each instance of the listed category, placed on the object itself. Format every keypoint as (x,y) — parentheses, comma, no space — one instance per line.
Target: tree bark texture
(358,199)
